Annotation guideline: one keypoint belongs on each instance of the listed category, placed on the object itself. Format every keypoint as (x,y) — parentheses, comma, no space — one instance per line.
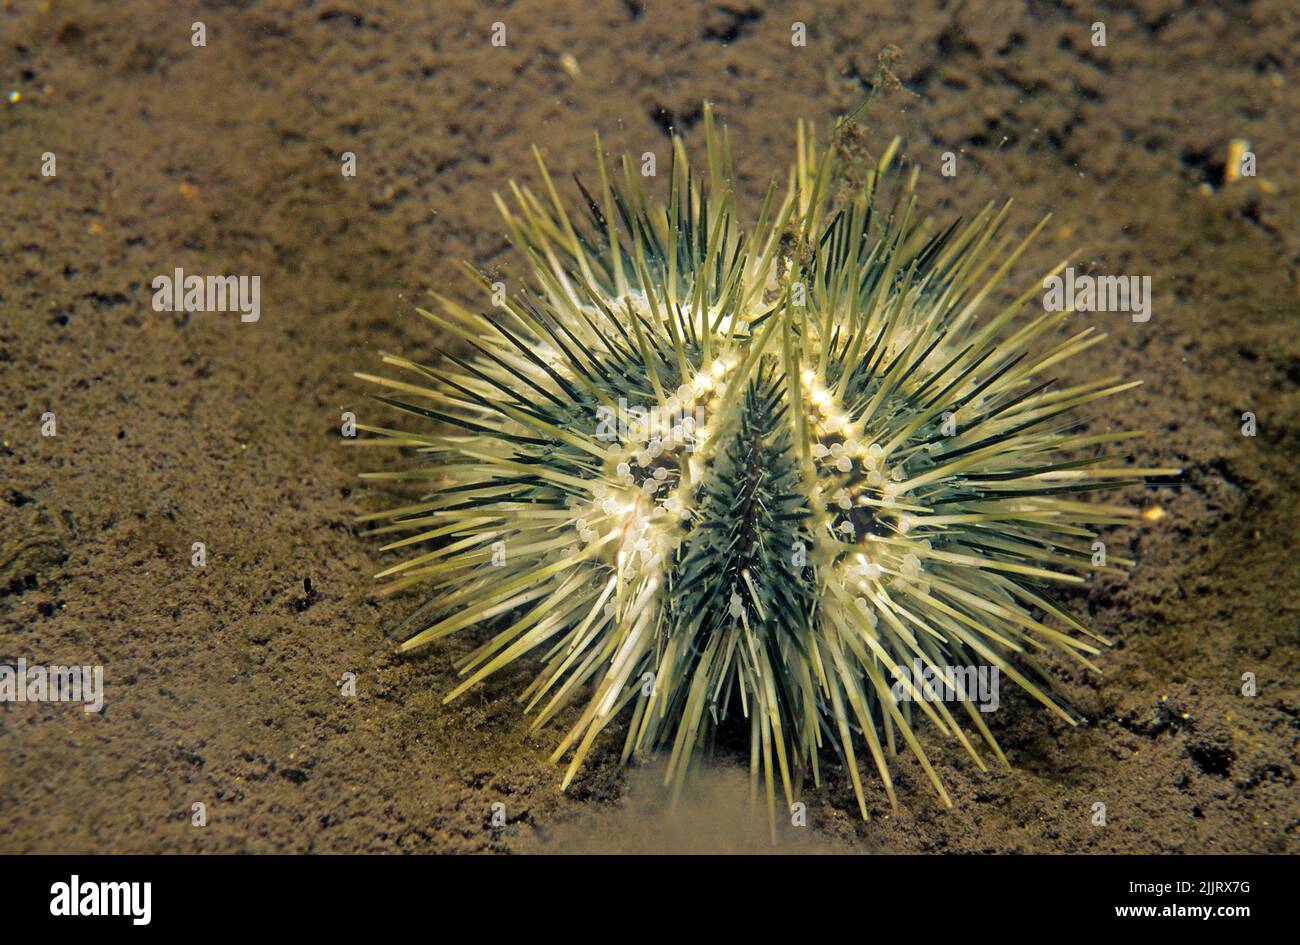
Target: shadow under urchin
(694,470)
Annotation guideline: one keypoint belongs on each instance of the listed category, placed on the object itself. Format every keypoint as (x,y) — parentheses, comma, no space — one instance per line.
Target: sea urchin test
(694,472)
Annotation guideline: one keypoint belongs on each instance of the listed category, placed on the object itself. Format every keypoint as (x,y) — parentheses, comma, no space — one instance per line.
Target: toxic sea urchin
(702,470)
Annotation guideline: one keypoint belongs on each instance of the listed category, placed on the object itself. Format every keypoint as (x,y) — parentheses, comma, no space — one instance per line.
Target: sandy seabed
(222,682)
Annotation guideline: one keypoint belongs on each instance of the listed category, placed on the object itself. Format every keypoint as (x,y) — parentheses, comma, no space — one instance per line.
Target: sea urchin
(707,470)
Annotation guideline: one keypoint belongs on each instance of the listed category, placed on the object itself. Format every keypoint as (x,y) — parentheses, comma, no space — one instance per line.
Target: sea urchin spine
(705,469)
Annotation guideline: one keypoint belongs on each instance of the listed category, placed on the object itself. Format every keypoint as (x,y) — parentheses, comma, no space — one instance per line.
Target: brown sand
(222,683)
